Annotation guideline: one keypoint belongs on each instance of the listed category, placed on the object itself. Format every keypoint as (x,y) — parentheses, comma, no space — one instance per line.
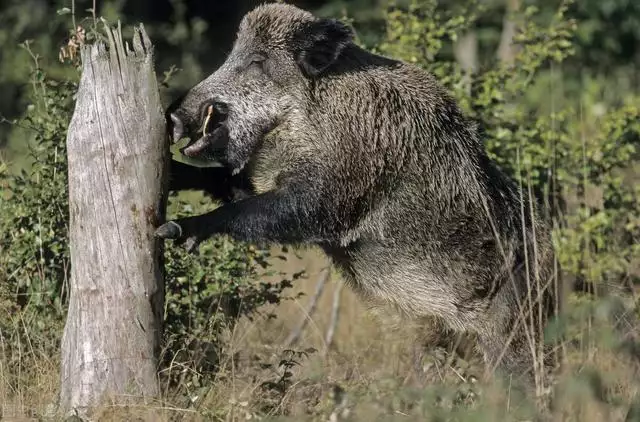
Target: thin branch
(334,317)
(313,302)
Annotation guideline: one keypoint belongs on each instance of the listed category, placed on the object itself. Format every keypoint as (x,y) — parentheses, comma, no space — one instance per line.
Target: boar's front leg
(286,215)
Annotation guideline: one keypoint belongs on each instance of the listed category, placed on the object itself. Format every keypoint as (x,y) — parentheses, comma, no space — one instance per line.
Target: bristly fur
(371,159)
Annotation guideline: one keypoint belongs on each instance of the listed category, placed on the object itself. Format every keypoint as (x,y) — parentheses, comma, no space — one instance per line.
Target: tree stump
(118,149)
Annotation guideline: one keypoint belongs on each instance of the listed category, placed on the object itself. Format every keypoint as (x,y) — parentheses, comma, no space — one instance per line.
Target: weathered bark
(117,149)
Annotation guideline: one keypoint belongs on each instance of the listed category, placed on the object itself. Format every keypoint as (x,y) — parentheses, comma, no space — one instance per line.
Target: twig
(334,317)
(313,302)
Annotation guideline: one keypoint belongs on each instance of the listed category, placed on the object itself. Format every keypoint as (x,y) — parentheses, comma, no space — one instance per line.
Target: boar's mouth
(213,142)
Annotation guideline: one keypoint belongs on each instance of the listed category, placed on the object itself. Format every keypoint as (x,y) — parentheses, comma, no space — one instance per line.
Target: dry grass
(29,378)
(366,374)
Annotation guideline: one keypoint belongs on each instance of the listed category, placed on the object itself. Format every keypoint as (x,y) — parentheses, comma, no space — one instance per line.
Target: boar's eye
(257,59)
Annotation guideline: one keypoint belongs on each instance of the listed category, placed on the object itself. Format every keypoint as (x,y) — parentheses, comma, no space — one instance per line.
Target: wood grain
(117,149)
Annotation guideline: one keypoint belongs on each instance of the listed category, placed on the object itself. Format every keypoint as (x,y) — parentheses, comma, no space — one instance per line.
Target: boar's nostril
(178,128)
(221,107)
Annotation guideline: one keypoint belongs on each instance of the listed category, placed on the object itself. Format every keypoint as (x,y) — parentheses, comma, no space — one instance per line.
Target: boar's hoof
(169,230)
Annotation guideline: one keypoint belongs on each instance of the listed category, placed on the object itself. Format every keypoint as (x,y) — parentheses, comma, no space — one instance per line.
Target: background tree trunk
(465,50)
(507,50)
(117,149)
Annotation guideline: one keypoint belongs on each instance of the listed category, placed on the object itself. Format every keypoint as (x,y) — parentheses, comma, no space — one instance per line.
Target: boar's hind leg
(507,346)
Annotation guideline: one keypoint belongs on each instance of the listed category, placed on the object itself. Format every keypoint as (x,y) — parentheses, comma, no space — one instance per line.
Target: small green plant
(277,389)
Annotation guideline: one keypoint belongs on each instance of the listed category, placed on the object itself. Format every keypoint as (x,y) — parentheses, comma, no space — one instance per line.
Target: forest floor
(366,373)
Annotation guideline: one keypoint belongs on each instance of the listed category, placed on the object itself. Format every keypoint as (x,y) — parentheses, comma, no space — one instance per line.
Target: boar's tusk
(206,121)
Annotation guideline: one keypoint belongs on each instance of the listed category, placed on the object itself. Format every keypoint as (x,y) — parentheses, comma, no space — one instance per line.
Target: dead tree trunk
(117,149)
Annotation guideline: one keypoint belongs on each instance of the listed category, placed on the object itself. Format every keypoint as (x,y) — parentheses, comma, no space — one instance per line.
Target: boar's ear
(320,43)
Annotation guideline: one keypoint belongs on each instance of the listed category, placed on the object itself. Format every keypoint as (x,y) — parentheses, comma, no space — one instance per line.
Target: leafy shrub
(206,294)
(34,257)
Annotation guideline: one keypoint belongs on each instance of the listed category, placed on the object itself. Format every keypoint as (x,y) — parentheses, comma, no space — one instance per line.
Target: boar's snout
(182,122)
(206,127)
